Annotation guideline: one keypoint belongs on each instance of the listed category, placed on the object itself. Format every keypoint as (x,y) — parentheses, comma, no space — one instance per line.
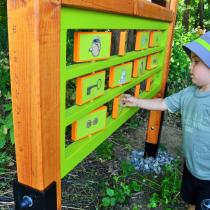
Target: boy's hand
(128,100)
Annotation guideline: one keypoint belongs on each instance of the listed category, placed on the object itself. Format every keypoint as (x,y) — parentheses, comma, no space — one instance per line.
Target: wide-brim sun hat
(200,47)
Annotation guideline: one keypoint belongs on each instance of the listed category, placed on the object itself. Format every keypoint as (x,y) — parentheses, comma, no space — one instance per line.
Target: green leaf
(8,107)
(112,201)
(9,120)
(106,201)
(2,140)
(11,132)
(135,186)
(109,192)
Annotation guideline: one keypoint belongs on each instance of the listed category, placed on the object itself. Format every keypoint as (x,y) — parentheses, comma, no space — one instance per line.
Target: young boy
(194,104)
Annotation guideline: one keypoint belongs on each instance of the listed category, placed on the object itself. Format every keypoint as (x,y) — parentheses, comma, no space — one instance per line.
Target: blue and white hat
(200,47)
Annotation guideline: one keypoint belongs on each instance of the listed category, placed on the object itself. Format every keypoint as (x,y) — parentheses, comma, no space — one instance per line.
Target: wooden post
(34,45)
(155,118)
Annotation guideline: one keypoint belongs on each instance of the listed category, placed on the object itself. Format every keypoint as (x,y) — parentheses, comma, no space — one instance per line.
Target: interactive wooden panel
(90,124)
(142,40)
(89,87)
(91,46)
(120,74)
(139,65)
(152,61)
(123,72)
(155,39)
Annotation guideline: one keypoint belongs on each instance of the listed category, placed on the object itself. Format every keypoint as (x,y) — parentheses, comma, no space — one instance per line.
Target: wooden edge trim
(148,84)
(135,67)
(137,90)
(115,109)
(138,8)
(122,48)
(79,91)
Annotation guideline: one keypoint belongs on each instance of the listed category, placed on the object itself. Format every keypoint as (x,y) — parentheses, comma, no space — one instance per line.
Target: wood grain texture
(34,46)
(140,8)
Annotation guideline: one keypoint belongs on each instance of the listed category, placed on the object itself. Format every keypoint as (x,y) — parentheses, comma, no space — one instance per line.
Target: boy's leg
(188,190)
(195,191)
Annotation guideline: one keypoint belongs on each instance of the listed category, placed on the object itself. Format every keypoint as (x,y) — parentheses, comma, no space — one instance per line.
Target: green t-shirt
(194,106)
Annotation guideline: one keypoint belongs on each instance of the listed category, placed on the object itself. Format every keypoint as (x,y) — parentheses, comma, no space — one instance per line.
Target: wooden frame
(34,45)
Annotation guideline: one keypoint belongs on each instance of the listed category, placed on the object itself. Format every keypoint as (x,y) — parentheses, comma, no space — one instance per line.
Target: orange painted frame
(122,44)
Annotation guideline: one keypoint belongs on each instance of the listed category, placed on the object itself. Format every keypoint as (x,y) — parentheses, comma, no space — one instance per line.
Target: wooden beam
(153,127)
(173,7)
(154,123)
(34,45)
(138,8)
(154,11)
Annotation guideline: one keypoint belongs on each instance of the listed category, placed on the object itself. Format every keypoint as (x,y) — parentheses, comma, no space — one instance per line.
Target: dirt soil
(82,187)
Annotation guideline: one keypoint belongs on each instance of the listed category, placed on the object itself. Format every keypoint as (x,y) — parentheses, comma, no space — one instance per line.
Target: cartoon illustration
(98,86)
(90,123)
(154,61)
(123,77)
(144,40)
(142,66)
(95,47)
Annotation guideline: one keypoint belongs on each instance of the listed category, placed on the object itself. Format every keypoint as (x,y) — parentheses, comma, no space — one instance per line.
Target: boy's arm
(149,104)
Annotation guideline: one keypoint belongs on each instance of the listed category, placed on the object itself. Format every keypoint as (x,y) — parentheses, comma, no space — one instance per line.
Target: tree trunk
(201,13)
(186,15)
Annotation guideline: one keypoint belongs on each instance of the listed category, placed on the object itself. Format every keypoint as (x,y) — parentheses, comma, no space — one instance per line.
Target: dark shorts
(195,191)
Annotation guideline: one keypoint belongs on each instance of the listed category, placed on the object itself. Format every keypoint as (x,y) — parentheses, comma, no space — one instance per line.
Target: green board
(89,87)
(142,40)
(120,75)
(155,39)
(93,122)
(78,19)
(152,61)
(139,66)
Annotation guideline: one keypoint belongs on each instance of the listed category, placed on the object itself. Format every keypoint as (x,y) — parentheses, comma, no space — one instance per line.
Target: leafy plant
(169,187)
(3,26)
(120,192)
(6,121)
(120,187)
(105,150)
(6,128)
(179,76)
